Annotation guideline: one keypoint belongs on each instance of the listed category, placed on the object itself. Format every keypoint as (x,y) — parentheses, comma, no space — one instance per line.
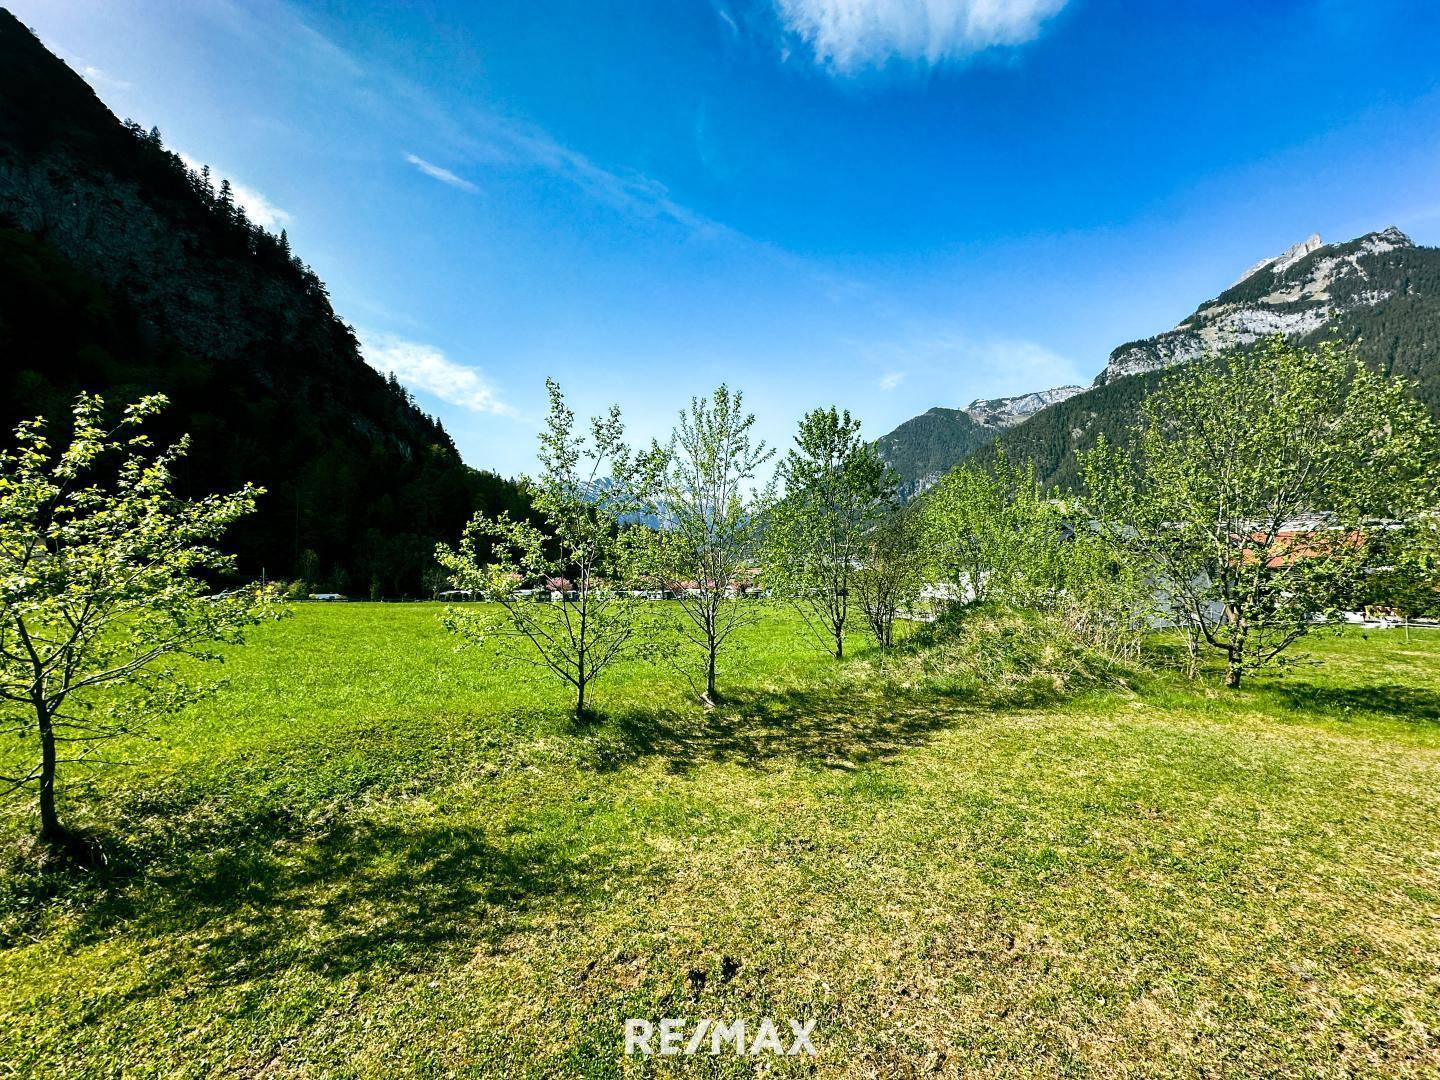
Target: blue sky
(881,204)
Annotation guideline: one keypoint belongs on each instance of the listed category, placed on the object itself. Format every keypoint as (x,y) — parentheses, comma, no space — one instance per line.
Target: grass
(372,854)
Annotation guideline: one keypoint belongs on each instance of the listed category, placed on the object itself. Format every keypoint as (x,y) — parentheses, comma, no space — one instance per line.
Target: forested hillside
(922,448)
(123,272)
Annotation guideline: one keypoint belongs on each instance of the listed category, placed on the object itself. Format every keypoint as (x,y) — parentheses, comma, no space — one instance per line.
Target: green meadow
(370,853)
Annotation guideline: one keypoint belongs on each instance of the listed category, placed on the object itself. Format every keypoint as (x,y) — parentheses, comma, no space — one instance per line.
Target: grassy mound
(1003,657)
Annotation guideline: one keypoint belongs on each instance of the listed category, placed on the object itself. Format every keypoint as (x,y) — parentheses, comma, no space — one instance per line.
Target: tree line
(1261,494)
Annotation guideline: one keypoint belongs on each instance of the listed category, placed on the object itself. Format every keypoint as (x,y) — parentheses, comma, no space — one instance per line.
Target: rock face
(1008,411)
(1290,256)
(1293,294)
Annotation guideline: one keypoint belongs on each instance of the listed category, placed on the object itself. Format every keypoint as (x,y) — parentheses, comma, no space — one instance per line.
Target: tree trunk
(50,829)
(1233,670)
(1236,653)
(580,698)
(710,675)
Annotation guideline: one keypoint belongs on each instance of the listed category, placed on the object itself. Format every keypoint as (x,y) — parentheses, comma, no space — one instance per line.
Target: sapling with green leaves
(1255,488)
(1405,581)
(708,503)
(584,494)
(836,491)
(960,527)
(105,575)
(992,532)
(891,575)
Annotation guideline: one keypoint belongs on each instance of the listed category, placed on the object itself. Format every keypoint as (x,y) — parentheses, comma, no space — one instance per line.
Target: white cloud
(729,20)
(633,193)
(424,367)
(258,208)
(957,366)
(445,176)
(97,77)
(848,35)
(1027,364)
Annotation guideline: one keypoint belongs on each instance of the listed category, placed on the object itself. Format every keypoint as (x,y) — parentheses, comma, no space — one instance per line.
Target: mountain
(124,272)
(923,448)
(1006,412)
(1297,293)
(1379,292)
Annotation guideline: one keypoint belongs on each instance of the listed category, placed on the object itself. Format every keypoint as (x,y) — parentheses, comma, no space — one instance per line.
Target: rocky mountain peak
(1006,412)
(1386,239)
(1289,257)
(1379,291)
(1295,293)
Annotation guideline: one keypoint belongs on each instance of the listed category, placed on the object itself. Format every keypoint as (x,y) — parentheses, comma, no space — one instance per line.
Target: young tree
(836,490)
(703,495)
(582,495)
(960,521)
(994,533)
(891,573)
(1255,488)
(103,572)
(1099,596)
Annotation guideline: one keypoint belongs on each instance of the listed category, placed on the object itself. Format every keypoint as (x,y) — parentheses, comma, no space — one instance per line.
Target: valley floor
(374,854)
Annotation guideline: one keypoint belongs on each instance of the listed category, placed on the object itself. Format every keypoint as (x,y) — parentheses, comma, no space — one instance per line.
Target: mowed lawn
(371,854)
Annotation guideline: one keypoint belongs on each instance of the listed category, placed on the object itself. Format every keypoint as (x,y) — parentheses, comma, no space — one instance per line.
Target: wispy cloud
(424,367)
(445,176)
(633,193)
(257,207)
(729,20)
(959,366)
(478,135)
(98,77)
(850,35)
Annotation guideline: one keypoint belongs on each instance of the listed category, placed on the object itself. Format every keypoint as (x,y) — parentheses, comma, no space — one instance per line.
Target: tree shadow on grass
(1410,704)
(260,896)
(840,727)
(364,895)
